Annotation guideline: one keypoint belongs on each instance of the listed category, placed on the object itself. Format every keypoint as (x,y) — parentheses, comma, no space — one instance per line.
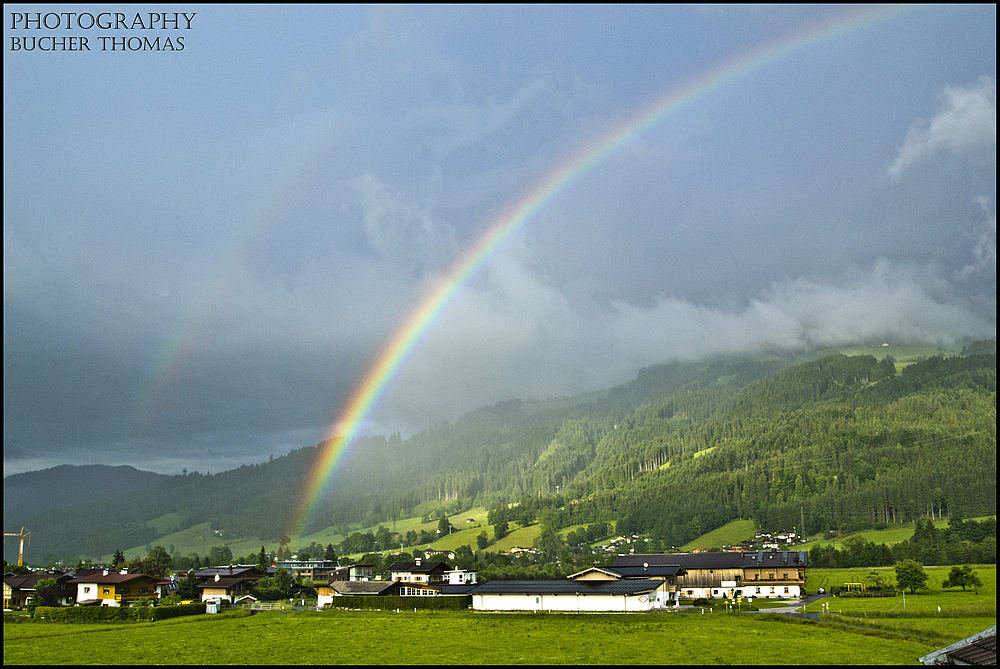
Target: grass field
(854,631)
(893,534)
(927,600)
(455,638)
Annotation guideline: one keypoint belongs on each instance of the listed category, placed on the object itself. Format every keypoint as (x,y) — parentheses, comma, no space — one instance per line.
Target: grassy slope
(891,535)
(731,533)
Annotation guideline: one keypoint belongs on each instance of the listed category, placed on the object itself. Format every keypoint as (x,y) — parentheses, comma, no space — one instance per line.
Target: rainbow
(391,359)
(220,281)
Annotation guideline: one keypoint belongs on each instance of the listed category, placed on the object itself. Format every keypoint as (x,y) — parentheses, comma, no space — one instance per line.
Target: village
(634,582)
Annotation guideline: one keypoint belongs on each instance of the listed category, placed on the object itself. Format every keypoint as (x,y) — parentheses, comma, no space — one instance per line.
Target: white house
(461,577)
(419,571)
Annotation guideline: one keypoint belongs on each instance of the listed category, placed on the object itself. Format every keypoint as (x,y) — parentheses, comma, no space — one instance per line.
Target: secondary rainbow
(376,380)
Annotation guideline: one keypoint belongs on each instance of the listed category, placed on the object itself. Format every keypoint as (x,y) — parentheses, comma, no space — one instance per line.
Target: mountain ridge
(617,452)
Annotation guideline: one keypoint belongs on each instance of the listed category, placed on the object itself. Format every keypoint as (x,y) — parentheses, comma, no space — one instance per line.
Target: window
(107,590)
(786,589)
(86,589)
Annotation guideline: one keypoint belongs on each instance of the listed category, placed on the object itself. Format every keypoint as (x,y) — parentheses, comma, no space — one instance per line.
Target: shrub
(116,614)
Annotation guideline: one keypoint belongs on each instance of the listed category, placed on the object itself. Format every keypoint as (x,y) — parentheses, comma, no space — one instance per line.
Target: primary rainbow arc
(391,359)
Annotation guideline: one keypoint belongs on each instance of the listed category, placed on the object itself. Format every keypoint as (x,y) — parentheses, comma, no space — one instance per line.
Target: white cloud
(967,121)
(985,250)
(515,335)
(398,226)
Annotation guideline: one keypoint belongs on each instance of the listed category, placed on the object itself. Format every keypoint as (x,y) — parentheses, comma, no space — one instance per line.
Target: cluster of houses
(632,583)
(638,582)
(774,541)
(635,582)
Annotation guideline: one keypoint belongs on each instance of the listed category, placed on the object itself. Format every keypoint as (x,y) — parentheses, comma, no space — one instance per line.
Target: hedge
(390,602)
(115,614)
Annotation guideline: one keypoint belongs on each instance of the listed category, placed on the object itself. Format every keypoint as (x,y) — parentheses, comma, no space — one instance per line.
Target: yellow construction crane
(20,551)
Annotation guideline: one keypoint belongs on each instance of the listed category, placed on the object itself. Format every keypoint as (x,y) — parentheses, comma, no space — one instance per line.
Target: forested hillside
(834,443)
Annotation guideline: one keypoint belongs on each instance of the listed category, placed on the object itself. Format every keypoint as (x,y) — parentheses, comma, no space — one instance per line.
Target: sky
(208,245)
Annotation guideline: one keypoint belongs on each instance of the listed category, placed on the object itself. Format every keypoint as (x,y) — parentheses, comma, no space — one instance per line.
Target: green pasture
(522,536)
(731,533)
(893,534)
(951,601)
(456,638)
(200,538)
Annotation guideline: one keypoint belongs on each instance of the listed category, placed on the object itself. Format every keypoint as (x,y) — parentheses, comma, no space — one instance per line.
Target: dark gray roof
(980,648)
(776,559)
(650,571)
(232,570)
(716,560)
(363,587)
(980,652)
(624,587)
(458,589)
(422,568)
(685,560)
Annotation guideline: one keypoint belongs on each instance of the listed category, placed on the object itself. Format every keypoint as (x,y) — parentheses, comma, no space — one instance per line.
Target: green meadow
(851,631)
(893,534)
(729,534)
(457,638)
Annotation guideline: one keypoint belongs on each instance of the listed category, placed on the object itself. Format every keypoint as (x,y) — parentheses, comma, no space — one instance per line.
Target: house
(460,577)
(447,555)
(20,589)
(769,574)
(232,571)
(624,595)
(354,572)
(228,588)
(419,571)
(774,573)
(227,583)
(309,570)
(108,589)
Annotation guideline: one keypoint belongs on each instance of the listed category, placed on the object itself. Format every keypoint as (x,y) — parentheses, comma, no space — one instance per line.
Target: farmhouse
(770,574)
(644,582)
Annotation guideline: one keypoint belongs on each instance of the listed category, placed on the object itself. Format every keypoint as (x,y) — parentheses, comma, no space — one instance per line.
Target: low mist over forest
(831,443)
